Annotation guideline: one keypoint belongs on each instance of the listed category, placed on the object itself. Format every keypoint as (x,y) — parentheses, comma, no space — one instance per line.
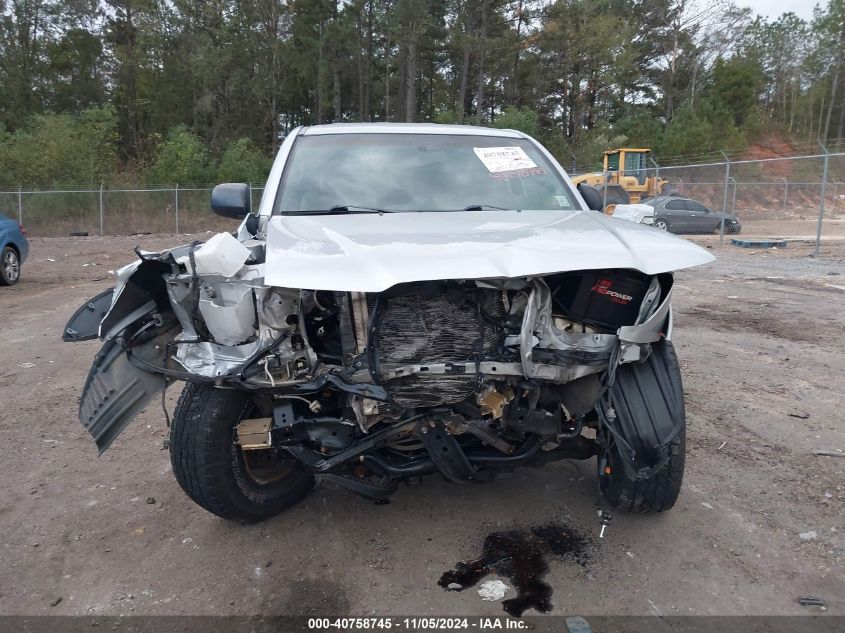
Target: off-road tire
(210,467)
(659,392)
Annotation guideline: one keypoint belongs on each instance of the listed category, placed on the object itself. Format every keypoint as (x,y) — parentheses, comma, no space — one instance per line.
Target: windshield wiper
(482,207)
(338,209)
(354,208)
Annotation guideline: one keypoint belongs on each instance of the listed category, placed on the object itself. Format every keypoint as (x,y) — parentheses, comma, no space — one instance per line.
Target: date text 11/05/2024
(415,624)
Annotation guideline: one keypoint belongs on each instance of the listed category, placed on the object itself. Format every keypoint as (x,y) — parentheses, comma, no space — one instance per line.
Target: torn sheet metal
(212,360)
(653,329)
(229,312)
(589,352)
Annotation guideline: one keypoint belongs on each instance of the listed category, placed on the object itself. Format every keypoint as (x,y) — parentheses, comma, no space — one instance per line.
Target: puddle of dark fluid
(520,556)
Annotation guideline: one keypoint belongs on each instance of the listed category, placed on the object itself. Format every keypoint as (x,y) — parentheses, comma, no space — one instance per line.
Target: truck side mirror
(591,196)
(231,200)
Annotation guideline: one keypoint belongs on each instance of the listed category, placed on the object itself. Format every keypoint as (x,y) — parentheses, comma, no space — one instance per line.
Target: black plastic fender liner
(84,325)
(116,390)
(143,289)
(644,410)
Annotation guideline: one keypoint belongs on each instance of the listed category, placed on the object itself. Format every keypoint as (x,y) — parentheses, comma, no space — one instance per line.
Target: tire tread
(201,456)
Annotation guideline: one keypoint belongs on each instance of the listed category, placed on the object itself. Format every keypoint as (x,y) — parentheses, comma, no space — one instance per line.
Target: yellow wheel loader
(626,168)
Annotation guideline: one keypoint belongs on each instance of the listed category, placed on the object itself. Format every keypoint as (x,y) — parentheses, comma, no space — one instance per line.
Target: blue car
(13,250)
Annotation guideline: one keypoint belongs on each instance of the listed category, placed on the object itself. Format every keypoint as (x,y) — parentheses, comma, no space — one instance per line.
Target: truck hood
(372,252)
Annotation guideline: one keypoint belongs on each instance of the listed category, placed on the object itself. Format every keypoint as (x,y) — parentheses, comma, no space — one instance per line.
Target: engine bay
(454,376)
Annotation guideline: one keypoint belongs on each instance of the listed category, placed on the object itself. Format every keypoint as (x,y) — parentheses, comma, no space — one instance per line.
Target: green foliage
(642,129)
(522,119)
(689,133)
(61,149)
(181,158)
(735,87)
(449,117)
(692,132)
(74,61)
(589,154)
(556,142)
(243,161)
(578,74)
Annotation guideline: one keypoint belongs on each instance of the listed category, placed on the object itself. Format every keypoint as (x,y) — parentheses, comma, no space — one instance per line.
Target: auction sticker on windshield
(499,159)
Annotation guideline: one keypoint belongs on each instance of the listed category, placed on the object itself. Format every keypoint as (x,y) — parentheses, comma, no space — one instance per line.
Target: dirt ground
(759,523)
(805,228)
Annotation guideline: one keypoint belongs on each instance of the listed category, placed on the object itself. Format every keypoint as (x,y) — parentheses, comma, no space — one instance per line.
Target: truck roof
(408,128)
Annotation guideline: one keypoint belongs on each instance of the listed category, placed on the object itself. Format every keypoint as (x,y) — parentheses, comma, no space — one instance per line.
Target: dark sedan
(682,215)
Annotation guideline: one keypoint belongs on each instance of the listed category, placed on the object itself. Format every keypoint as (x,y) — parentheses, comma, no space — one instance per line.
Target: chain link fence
(796,196)
(112,210)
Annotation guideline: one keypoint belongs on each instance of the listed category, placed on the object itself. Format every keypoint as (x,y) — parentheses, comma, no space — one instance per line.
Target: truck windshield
(419,172)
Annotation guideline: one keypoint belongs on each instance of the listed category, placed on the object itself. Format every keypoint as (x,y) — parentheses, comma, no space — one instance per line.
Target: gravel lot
(760,339)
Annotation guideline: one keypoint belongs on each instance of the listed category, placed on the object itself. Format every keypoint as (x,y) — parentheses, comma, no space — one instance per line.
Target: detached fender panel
(84,325)
(116,390)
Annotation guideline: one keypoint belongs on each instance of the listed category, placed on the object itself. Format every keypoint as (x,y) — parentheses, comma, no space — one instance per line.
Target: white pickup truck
(405,300)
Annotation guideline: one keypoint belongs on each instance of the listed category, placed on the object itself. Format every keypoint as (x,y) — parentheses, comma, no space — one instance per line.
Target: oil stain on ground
(521,556)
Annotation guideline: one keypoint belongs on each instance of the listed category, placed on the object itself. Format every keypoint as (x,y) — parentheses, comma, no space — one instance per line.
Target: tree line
(204,90)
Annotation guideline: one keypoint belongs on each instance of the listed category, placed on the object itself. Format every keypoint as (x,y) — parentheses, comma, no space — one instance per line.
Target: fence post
(785,192)
(101,209)
(733,198)
(604,200)
(20,204)
(656,173)
(656,166)
(821,201)
(724,198)
(176,202)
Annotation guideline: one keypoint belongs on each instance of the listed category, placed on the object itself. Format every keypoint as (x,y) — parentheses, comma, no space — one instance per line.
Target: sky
(774,8)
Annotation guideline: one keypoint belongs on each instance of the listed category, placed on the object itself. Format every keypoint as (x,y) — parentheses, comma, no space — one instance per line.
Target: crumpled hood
(372,252)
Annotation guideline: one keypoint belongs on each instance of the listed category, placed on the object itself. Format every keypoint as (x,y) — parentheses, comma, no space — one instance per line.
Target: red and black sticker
(605,287)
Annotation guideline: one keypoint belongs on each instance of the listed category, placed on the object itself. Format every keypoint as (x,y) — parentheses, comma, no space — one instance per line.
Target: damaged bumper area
(458,376)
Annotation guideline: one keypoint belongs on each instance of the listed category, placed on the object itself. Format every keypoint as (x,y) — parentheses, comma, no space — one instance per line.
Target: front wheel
(213,470)
(661,225)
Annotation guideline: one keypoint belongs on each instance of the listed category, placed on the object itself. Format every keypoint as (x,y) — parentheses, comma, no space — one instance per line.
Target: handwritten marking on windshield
(518,173)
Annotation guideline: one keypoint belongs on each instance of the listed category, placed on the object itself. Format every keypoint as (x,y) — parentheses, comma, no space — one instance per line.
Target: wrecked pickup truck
(407,299)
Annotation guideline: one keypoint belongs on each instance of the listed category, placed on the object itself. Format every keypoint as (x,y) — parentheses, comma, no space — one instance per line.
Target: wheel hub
(11,266)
